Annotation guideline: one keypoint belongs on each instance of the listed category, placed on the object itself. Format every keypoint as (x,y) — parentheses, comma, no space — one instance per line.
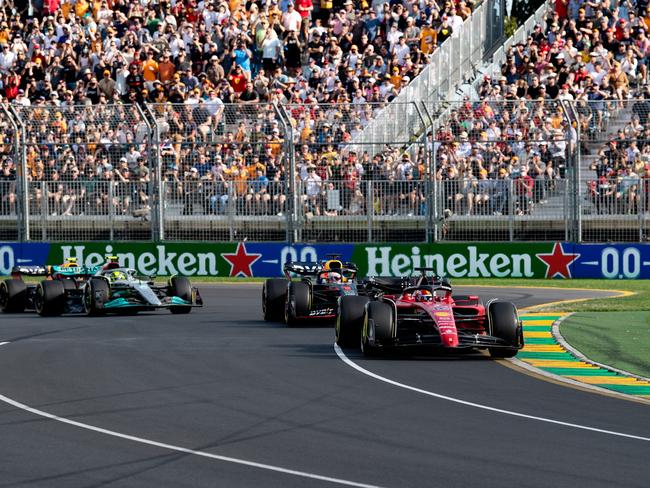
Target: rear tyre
(97,291)
(50,298)
(378,328)
(274,299)
(13,296)
(504,321)
(350,320)
(298,301)
(180,287)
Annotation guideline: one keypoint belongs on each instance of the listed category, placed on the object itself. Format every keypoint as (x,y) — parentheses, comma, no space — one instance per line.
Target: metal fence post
(156,222)
(574,161)
(293,224)
(370,207)
(231,211)
(290,166)
(45,210)
(111,210)
(22,179)
(639,208)
(158,189)
(511,210)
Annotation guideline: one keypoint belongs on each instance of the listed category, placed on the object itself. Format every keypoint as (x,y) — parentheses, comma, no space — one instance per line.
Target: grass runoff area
(618,339)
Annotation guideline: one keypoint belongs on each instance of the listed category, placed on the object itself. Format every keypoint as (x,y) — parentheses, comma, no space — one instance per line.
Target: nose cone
(449,335)
(451,340)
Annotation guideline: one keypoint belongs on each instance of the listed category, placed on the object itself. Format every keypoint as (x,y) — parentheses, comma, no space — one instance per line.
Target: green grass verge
(618,339)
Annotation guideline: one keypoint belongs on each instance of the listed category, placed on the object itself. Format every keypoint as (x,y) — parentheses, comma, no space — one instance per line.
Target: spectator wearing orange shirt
(428,38)
(150,70)
(166,69)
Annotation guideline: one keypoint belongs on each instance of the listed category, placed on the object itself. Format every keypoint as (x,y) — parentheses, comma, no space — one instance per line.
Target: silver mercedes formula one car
(96,291)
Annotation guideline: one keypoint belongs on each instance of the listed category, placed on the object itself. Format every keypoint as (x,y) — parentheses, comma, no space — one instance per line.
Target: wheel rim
(4,295)
(264,299)
(337,329)
(38,299)
(87,299)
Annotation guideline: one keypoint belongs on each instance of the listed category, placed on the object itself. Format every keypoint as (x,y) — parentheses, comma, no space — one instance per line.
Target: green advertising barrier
(248,259)
(150,258)
(484,260)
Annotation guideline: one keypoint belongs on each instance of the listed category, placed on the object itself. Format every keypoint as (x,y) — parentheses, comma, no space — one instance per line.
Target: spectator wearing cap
(291,19)
(396,78)
(412,34)
(401,51)
(107,85)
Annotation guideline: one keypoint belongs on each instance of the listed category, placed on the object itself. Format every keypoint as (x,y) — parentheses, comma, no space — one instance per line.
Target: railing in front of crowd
(228,173)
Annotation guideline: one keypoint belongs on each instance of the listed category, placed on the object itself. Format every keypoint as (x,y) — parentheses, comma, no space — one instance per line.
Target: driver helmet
(117,275)
(423,296)
(334,277)
(70,263)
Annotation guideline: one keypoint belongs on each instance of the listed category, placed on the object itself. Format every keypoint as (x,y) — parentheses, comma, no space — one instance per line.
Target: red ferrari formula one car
(429,316)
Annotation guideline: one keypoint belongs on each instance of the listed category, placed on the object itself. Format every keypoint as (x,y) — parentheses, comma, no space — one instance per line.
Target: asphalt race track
(204,394)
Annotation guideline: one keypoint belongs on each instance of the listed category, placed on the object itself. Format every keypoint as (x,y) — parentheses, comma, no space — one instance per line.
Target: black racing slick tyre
(298,302)
(180,287)
(274,298)
(50,298)
(350,320)
(96,292)
(504,323)
(377,328)
(13,296)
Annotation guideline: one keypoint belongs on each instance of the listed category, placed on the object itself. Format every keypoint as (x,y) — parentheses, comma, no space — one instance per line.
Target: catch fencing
(479,171)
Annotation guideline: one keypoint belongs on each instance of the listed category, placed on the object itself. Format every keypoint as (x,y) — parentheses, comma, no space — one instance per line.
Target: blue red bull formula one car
(310,291)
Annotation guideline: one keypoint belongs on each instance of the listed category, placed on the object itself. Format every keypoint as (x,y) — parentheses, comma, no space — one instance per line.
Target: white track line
(3,343)
(185,450)
(352,364)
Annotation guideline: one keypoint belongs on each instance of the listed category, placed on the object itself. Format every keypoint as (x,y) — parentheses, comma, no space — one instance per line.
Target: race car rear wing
(347,270)
(301,269)
(71,271)
(387,285)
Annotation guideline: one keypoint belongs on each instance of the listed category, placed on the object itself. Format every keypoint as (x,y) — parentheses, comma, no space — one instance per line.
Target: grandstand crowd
(94,83)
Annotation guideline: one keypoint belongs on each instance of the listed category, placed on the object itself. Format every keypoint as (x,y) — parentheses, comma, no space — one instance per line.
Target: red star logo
(241,262)
(557,263)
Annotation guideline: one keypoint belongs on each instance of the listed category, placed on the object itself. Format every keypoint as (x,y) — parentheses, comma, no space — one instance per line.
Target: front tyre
(377,329)
(274,298)
(180,287)
(298,302)
(505,325)
(96,293)
(350,320)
